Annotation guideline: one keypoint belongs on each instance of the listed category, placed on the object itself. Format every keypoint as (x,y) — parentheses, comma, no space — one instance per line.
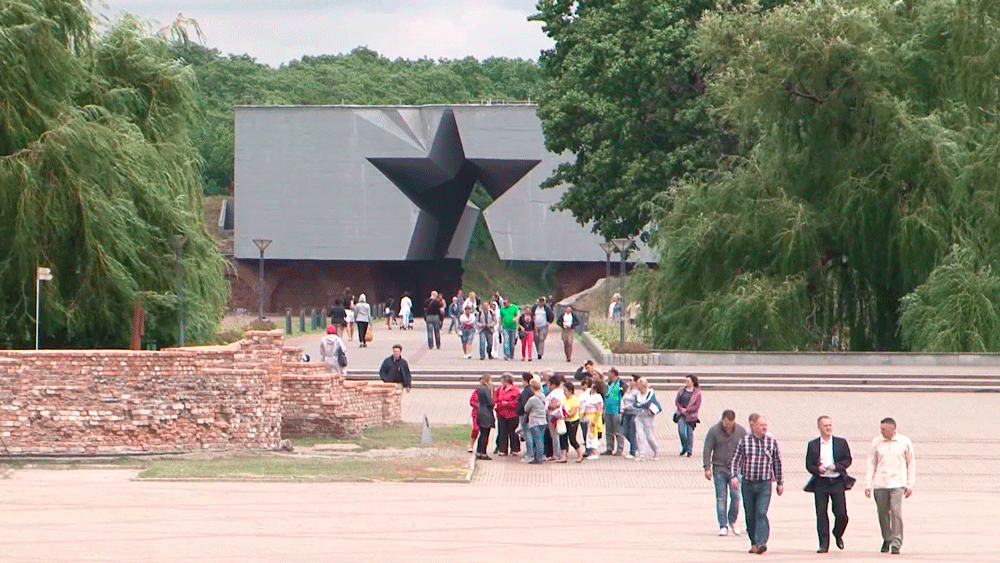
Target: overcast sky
(281,30)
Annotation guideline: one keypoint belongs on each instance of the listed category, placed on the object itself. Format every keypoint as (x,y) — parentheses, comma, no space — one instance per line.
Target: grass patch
(397,436)
(72,463)
(292,468)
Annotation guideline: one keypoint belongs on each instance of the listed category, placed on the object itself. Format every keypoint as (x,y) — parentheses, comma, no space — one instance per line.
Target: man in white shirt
(892,471)
(827,459)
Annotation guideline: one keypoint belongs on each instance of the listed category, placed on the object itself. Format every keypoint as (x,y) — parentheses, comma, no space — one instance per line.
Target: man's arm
(812,457)
(736,464)
(843,461)
(405,368)
(870,473)
(383,371)
(911,469)
(706,453)
(779,477)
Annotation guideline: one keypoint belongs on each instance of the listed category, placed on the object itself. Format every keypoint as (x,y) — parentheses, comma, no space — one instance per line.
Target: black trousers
(547,443)
(830,491)
(507,435)
(484,440)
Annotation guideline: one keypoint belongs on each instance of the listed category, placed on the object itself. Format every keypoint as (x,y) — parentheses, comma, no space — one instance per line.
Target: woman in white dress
(496,333)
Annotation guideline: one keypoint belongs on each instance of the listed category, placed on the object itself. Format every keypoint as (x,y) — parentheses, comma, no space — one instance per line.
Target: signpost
(44,274)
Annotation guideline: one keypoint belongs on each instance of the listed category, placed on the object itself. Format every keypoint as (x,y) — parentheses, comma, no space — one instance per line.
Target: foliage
(360,77)
(624,96)
(98,174)
(874,150)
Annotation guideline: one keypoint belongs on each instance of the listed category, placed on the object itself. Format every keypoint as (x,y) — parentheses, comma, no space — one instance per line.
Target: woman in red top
(474,403)
(505,398)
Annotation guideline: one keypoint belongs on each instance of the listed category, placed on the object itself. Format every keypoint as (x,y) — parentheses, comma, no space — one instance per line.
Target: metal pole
(288,321)
(38,308)
(607,279)
(260,286)
(179,241)
(621,316)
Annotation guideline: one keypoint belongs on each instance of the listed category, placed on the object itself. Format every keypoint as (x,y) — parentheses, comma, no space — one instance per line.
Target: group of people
(593,414)
(746,464)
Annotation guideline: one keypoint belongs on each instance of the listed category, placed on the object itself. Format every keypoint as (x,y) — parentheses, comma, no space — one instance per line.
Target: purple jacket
(694,404)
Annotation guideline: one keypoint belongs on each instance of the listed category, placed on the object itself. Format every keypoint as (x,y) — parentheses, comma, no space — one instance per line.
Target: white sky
(278,31)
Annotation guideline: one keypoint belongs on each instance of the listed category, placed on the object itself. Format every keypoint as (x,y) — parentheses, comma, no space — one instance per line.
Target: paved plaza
(610,509)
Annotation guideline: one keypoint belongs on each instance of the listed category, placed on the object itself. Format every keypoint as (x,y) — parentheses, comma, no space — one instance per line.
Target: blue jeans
(433,331)
(509,336)
(686,434)
(628,425)
(485,343)
(756,500)
(721,479)
(533,443)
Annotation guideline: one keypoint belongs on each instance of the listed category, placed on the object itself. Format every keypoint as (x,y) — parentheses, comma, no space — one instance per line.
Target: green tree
(870,198)
(98,172)
(623,96)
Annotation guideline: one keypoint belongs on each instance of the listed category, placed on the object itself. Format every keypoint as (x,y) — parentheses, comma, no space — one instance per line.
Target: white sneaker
(629,456)
(723,531)
(735,528)
(594,456)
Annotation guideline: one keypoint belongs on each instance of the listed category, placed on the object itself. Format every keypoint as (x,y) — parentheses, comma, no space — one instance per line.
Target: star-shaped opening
(441,182)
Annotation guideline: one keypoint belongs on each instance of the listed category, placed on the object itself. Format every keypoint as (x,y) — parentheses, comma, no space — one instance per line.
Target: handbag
(341,357)
(370,334)
(561,426)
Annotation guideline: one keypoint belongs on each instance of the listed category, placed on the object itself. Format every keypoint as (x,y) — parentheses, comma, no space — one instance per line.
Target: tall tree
(870,199)
(624,96)
(98,173)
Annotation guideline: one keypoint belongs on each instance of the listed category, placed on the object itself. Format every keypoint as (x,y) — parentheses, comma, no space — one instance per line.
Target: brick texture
(243,396)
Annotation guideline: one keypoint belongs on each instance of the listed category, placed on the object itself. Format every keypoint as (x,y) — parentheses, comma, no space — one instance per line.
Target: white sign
(44,274)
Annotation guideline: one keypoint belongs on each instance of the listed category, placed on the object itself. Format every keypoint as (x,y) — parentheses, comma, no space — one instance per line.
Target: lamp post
(608,248)
(261,243)
(622,245)
(179,241)
(43,274)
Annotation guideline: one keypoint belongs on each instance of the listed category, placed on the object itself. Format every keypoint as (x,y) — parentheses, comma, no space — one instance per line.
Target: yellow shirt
(572,402)
(891,463)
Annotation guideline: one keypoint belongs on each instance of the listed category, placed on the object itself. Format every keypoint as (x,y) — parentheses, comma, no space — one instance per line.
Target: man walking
(758,461)
(827,459)
(720,446)
(486,324)
(433,309)
(543,316)
(892,471)
(508,314)
(395,369)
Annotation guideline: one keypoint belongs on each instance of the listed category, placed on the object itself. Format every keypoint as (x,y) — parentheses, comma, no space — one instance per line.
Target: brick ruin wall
(180,400)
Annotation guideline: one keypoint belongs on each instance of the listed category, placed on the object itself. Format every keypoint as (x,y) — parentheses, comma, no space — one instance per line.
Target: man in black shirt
(395,369)
(433,308)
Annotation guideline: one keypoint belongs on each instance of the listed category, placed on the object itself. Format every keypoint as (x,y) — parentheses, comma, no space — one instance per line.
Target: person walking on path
(405,312)
(543,315)
(892,472)
(484,415)
(646,409)
(389,313)
(687,403)
(395,369)
(508,323)
(827,459)
(467,330)
(720,445)
(454,310)
(433,310)
(331,347)
(338,315)
(568,322)
(486,325)
(526,332)
(614,436)
(497,349)
(755,464)
(535,419)
(505,400)
(363,316)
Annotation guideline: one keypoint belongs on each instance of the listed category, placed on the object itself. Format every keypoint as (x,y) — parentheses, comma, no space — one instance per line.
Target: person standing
(505,400)
(389,313)
(486,325)
(543,316)
(892,472)
(687,402)
(757,462)
(629,401)
(467,329)
(395,369)
(720,445)
(497,350)
(614,436)
(405,312)
(555,403)
(363,317)
(484,415)
(338,314)
(827,459)
(526,332)
(508,323)
(568,322)
(330,348)
(522,399)
(646,409)
(535,419)
(433,309)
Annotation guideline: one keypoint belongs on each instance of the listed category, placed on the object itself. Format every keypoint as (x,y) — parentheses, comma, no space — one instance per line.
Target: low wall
(179,400)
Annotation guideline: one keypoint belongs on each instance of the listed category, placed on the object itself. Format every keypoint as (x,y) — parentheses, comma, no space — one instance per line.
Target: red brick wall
(182,400)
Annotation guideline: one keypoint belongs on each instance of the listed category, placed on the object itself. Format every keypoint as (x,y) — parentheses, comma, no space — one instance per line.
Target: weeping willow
(97,173)
(869,197)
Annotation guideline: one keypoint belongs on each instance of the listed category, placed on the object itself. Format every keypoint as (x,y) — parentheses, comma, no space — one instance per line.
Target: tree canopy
(868,196)
(98,172)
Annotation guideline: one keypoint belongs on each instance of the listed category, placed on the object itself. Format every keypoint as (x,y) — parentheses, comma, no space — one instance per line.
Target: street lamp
(622,245)
(608,248)
(179,241)
(261,244)
(43,274)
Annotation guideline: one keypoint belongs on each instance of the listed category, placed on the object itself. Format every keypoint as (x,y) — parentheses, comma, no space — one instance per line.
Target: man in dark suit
(827,459)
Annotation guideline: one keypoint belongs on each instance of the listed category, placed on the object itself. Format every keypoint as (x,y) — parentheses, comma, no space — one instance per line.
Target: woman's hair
(694,380)
(569,386)
(507,378)
(486,379)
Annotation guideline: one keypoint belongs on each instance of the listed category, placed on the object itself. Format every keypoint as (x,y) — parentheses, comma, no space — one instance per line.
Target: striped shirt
(757,459)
